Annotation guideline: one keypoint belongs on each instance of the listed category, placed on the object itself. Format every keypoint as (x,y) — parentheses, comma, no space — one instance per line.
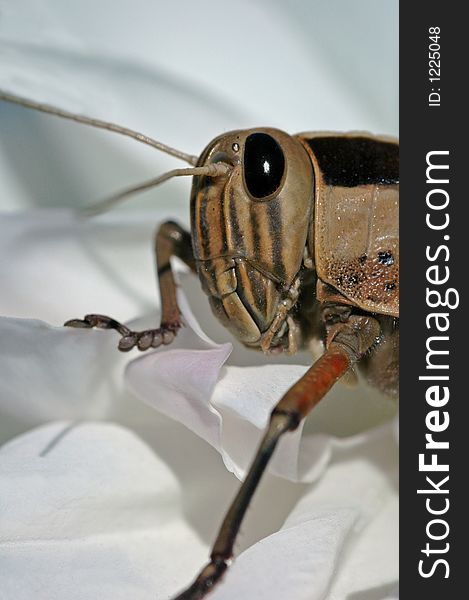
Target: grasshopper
(294,238)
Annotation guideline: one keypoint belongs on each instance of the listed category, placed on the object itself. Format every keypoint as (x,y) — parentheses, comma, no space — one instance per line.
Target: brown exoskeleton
(294,238)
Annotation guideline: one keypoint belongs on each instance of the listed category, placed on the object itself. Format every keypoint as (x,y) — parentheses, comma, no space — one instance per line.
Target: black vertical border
(424,128)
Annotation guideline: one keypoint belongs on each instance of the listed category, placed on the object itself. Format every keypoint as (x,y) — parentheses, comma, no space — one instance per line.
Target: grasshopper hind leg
(347,343)
(170,240)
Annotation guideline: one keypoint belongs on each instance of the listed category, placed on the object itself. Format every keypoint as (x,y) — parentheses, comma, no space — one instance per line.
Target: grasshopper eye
(264,165)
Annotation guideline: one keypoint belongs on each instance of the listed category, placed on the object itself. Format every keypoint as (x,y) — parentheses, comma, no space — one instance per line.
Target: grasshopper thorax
(250,228)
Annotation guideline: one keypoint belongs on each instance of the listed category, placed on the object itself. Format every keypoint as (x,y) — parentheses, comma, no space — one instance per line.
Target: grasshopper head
(250,226)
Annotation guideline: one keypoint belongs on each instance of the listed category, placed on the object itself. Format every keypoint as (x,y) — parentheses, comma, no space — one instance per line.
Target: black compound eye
(264,164)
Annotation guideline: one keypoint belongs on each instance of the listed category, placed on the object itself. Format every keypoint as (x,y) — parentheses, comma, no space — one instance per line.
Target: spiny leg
(171,240)
(347,343)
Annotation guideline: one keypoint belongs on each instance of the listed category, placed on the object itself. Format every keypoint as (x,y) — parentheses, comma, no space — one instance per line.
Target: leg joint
(288,420)
(356,337)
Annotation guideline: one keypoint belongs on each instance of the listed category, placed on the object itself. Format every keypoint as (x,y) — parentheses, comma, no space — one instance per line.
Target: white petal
(179,383)
(53,373)
(294,563)
(95,503)
(229,407)
(89,511)
(340,541)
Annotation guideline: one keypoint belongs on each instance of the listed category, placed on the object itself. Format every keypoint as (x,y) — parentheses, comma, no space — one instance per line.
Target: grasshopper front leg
(171,240)
(346,344)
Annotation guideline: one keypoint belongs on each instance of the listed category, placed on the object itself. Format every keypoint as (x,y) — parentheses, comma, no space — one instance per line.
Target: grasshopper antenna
(211,170)
(58,112)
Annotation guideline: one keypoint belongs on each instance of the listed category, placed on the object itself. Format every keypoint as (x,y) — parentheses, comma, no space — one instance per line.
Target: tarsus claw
(149,338)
